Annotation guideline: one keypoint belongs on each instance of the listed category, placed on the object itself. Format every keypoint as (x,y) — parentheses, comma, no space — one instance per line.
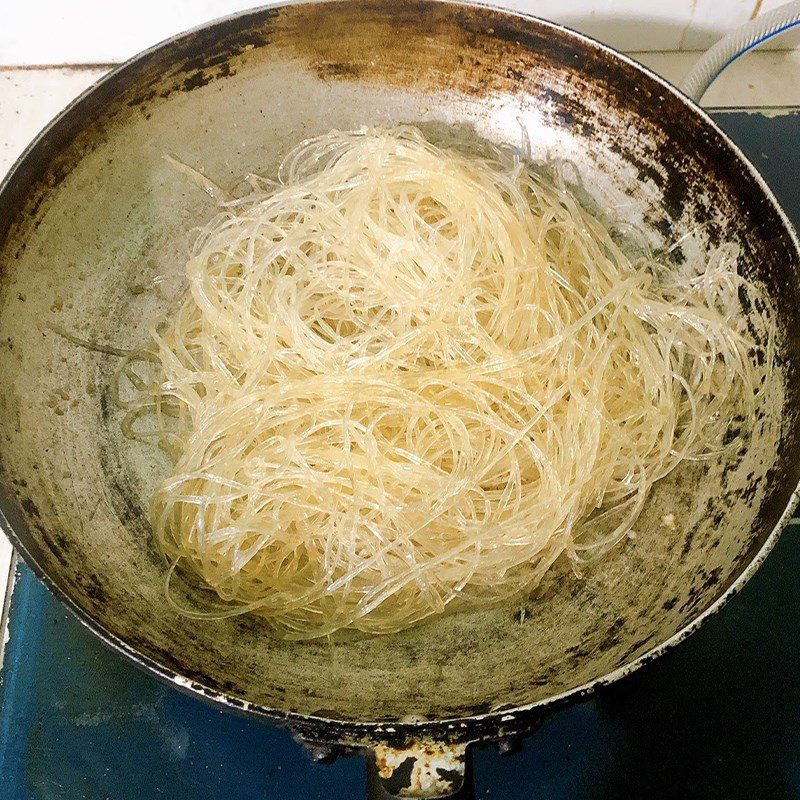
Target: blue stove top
(716,717)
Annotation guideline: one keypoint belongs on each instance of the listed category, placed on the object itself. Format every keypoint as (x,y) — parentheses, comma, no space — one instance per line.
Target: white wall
(38,32)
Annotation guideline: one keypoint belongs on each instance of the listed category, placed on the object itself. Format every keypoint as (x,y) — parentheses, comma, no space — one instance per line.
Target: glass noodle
(406,379)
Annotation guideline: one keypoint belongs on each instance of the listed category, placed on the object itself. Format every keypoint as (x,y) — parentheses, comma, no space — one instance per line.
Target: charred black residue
(635,648)
(714,232)
(730,435)
(94,589)
(452,776)
(664,227)
(36,204)
(676,256)
(327,70)
(325,713)
(400,778)
(569,111)
(578,652)
(30,508)
(196,80)
(714,516)
(125,503)
(203,56)
(212,45)
(201,62)
(647,167)
(57,545)
(744,299)
(612,635)
(105,405)
(61,542)
(700,592)
(480,708)
(142,98)
(508,31)
(689,540)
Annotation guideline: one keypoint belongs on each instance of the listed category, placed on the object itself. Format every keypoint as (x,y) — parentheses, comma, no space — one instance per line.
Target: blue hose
(736,44)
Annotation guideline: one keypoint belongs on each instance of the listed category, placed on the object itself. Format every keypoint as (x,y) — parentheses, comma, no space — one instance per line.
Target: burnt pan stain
(334,69)
(30,508)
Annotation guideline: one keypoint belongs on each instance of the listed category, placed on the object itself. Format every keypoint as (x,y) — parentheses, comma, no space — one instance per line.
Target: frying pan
(94,230)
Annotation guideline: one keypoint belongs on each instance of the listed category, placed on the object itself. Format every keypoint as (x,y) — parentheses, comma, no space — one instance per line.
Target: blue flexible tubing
(736,44)
(756,43)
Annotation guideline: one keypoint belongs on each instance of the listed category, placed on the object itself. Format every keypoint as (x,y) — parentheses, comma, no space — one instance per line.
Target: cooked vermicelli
(405,378)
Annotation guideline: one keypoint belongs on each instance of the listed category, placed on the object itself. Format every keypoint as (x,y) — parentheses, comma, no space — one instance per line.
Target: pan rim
(450,728)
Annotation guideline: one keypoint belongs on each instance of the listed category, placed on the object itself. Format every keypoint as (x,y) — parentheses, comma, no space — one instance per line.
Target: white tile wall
(103,31)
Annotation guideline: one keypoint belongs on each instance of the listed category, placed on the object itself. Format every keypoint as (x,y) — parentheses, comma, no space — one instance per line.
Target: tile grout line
(45,67)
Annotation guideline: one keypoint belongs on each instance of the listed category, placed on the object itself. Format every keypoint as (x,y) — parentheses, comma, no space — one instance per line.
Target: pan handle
(421,769)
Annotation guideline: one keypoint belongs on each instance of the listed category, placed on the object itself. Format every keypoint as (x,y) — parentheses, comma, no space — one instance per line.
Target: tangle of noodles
(406,378)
